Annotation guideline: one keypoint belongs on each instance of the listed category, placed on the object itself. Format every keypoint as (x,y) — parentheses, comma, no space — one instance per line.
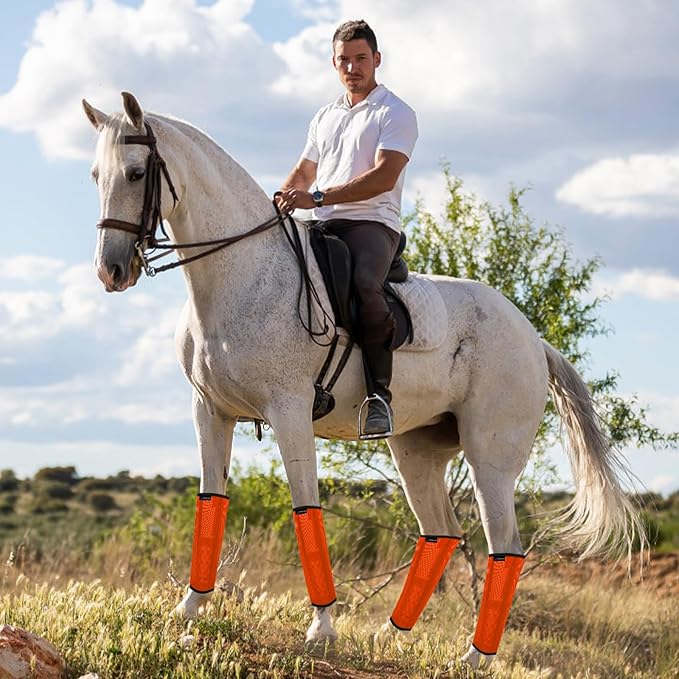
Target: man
(356,152)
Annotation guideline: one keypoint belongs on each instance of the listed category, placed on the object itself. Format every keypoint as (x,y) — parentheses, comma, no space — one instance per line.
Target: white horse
(482,390)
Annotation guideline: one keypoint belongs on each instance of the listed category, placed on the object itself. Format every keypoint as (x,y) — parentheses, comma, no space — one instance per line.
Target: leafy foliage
(534,267)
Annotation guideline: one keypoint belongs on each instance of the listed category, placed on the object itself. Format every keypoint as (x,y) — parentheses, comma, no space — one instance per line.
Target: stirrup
(362,436)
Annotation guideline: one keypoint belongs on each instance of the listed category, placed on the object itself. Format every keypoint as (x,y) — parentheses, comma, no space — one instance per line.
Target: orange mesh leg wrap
(502,575)
(313,552)
(430,558)
(208,533)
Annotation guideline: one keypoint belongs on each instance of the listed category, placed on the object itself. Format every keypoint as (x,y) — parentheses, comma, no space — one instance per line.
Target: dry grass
(557,629)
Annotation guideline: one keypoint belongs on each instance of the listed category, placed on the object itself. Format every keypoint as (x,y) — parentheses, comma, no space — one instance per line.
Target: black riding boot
(377,362)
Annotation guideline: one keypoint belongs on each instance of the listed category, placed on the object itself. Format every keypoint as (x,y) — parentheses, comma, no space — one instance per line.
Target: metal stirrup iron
(390,430)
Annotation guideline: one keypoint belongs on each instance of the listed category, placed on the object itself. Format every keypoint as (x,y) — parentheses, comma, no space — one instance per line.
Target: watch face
(317,197)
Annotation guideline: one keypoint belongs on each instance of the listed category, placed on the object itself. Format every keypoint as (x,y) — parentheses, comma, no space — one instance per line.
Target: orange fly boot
(431,556)
(502,576)
(313,552)
(208,533)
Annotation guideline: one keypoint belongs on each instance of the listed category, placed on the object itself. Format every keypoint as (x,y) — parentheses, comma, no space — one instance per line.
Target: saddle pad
(427,310)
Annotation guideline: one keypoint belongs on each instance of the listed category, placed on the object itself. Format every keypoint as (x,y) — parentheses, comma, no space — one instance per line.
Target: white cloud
(130,372)
(645,283)
(101,458)
(316,10)
(445,57)
(478,56)
(82,400)
(664,483)
(641,185)
(663,410)
(153,353)
(29,267)
(95,50)
(29,315)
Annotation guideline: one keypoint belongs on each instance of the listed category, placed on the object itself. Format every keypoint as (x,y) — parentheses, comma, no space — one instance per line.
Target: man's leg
(373,246)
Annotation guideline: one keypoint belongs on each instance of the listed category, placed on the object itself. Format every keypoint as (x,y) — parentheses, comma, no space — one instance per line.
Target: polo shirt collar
(374,97)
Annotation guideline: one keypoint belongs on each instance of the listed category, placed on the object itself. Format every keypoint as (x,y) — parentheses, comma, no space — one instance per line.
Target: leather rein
(151,217)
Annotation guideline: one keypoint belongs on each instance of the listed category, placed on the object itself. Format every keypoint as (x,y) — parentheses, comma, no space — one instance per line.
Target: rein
(151,218)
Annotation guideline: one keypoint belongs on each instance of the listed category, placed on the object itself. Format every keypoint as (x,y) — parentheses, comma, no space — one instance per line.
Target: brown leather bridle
(151,216)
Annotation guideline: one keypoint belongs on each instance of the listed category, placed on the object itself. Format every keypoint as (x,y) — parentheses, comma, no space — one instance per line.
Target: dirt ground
(660,575)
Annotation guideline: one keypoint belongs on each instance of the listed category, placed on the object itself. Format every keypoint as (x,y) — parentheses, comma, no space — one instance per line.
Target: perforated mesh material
(208,533)
(430,559)
(502,576)
(313,552)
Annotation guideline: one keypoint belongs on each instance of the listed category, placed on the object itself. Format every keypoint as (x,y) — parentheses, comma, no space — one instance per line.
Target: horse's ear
(133,110)
(96,117)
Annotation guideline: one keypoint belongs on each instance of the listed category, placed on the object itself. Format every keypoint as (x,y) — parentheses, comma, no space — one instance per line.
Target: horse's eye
(134,174)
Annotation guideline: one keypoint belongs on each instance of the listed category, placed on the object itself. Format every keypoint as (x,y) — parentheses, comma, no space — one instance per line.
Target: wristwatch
(317,197)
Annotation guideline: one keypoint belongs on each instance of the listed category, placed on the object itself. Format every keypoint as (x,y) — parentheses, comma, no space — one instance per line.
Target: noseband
(151,216)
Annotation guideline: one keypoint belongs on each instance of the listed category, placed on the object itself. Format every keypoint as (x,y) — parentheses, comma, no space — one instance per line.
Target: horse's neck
(220,199)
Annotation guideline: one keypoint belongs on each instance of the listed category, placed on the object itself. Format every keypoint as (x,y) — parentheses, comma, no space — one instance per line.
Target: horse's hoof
(321,633)
(190,606)
(386,633)
(477,660)
(179,612)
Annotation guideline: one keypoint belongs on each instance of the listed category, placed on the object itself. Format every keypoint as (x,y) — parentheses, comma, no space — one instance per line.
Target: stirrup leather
(381,435)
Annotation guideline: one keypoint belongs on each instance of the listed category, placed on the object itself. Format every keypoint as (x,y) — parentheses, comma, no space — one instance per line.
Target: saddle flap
(334,261)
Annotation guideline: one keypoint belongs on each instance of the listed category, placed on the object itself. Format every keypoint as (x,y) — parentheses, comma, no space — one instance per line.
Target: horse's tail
(600,519)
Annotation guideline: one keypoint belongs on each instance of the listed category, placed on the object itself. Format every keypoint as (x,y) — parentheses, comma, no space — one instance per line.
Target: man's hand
(291,199)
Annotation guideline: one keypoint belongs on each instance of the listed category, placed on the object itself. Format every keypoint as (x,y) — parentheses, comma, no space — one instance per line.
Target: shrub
(101,502)
(52,489)
(7,503)
(8,480)
(67,475)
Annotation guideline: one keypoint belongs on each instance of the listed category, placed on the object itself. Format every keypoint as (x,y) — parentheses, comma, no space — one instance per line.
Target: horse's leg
(495,462)
(214,433)
(295,436)
(421,457)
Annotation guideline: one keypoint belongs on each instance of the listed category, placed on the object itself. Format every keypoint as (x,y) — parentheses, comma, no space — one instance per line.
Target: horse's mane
(118,125)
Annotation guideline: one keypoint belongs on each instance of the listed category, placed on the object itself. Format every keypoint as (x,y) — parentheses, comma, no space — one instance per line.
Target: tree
(534,267)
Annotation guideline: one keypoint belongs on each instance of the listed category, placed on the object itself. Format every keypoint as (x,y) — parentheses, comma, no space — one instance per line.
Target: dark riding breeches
(372,246)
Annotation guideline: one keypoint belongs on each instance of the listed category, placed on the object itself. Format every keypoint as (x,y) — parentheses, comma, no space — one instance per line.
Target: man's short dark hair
(356,29)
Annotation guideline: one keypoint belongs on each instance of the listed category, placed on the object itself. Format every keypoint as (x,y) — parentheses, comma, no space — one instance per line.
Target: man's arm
(303,175)
(379,179)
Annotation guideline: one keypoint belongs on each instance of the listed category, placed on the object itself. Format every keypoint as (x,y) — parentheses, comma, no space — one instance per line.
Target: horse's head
(119,171)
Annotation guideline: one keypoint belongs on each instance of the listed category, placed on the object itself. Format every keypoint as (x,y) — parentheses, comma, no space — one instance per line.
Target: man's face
(355,64)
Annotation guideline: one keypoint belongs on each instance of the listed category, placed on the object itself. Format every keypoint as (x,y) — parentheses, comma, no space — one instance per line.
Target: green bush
(67,475)
(8,481)
(101,502)
(47,505)
(52,489)
(8,503)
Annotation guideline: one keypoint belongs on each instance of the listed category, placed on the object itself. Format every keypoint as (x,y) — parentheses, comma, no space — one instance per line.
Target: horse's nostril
(117,274)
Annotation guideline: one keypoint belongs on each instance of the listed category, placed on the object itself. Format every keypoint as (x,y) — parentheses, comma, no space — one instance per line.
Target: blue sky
(574,100)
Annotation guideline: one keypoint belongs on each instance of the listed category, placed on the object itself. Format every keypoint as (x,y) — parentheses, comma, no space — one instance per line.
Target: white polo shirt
(344,141)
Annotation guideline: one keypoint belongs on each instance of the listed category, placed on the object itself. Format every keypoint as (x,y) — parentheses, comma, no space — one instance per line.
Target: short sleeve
(398,130)
(310,151)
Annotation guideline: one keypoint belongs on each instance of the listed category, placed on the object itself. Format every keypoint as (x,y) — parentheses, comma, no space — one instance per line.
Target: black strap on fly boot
(379,420)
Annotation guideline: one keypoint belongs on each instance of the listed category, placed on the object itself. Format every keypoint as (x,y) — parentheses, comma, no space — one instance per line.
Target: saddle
(335,263)
(336,266)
